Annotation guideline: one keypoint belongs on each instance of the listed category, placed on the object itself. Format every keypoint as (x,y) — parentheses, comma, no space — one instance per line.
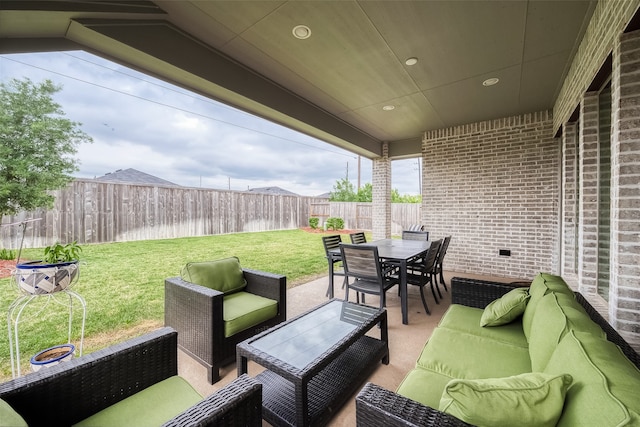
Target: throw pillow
(223,275)
(530,399)
(506,308)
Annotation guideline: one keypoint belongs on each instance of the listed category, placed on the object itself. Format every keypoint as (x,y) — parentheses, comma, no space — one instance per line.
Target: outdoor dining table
(398,252)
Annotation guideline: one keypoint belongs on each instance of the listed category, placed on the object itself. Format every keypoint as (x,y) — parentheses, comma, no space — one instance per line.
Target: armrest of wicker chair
(477,293)
(196,313)
(378,407)
(239,403)
(268,285)
(72,391)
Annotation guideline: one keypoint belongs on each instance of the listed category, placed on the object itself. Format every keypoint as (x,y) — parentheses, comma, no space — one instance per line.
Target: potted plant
(56,271)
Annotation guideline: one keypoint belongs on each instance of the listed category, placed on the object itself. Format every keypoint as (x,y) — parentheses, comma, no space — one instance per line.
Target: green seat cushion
(527,400)
(243,310)
(506,308)
(542,284)
(461,355)
(9,417)
(424,386)
(555,315)
(152,406)
(223,275)
(467,319)
(606,385)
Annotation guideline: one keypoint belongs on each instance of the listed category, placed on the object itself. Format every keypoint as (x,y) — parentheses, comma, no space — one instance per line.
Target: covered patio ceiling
(335,84)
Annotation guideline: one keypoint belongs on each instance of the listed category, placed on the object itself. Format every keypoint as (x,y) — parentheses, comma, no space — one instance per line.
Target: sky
(139,122)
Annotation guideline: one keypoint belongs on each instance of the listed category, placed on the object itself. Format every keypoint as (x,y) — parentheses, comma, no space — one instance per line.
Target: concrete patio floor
(405,341)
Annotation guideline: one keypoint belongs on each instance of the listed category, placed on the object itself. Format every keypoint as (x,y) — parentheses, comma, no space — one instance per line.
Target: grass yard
(123,285)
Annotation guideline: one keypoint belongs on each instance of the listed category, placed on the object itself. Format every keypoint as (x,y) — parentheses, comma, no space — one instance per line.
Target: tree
(37,144)
(365,193)
(343,191)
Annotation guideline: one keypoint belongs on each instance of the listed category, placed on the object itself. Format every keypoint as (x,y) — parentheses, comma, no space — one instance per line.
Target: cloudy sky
(139,122)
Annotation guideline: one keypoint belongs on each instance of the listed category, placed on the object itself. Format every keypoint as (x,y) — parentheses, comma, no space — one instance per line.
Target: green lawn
(123,285)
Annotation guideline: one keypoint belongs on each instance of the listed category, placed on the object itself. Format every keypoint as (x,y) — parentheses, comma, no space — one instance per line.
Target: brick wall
(624,301)
(609,19)
(570,194)
(588,203)
(495,185)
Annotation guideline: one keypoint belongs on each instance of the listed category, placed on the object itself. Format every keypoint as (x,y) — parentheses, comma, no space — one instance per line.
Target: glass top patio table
(305,339)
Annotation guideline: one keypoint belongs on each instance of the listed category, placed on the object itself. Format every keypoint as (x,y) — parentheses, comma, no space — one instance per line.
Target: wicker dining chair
(364,272)
(419,274)
(358,238)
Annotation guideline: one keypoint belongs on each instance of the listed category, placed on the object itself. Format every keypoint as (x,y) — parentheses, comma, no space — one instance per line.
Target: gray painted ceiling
(334,84)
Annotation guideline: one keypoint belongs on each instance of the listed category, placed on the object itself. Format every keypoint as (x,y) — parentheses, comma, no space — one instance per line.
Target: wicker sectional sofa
(469,371)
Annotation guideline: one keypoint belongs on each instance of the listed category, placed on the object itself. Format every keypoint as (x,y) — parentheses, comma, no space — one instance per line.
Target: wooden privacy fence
(99,212)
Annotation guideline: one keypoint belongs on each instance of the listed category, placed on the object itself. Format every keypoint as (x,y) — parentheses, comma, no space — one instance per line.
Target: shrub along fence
(99,212)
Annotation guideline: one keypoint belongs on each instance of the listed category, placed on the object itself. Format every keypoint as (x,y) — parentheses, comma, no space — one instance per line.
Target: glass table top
(303,340)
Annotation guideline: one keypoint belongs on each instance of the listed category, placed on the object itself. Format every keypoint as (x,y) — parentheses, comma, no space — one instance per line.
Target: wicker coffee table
(315,361)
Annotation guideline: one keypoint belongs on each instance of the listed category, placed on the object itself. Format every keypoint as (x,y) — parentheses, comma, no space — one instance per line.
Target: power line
(172,106)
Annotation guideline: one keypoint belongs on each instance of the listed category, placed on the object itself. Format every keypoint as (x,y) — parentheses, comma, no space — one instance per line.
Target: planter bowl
(37,278)
(52,356)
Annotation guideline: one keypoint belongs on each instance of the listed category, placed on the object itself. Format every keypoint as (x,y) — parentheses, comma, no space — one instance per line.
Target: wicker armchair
(378,407)
(196,313)
(72,391)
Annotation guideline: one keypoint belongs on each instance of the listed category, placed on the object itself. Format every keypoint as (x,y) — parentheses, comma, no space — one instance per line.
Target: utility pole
(359,172)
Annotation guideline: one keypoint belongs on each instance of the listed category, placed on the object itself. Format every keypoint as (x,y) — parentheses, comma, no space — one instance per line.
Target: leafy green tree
(37,145)
(343,191)
(365,193)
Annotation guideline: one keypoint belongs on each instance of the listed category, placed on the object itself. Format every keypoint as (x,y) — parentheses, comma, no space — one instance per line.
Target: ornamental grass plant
(123,285)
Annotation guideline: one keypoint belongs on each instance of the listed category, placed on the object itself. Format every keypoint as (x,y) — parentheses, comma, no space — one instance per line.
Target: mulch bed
(321,231)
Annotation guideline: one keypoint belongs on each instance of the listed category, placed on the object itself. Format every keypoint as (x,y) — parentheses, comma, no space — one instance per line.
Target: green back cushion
(605,383)
(531,399)
(9,417)
(243,310)
(461,355)
(506,308)
(152,406)
(541,285)
(467,319)
(223,275)
(555,315)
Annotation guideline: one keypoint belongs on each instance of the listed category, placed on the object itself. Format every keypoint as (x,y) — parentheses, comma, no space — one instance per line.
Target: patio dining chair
(358,238)
(415,235)
(364,272)
(333,258)
(438,269)
(419,274)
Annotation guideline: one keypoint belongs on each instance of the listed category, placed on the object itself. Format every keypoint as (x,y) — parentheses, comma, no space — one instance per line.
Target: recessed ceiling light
(411,61)
(301,32)
(389,107)
(490,82)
